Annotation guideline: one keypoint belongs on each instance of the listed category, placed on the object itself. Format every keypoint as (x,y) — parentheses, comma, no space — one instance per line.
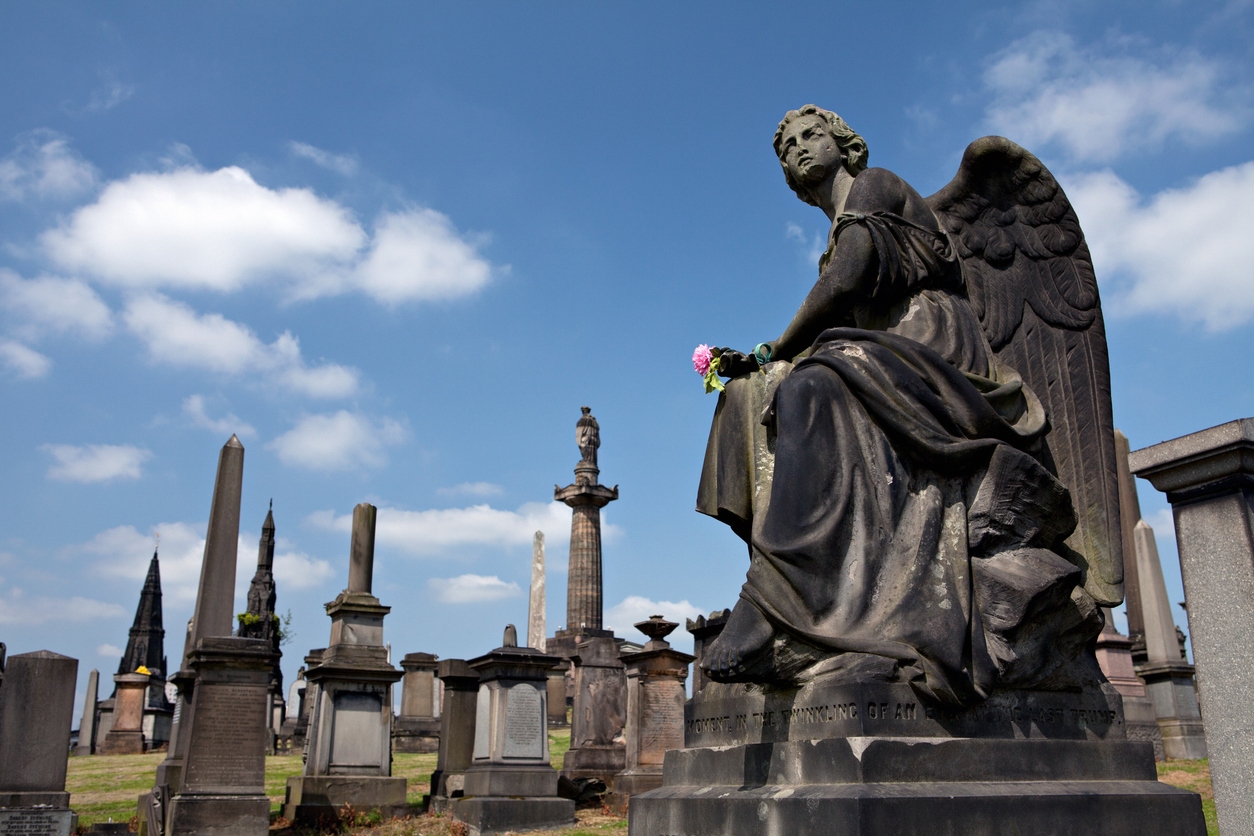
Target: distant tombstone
(87,724)
(36,713)
(348,753)
(126,737)
(655,711)
(417,729)
(511,784)
(597,749)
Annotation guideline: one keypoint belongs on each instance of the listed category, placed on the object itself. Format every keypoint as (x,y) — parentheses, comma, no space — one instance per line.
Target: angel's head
(810,142)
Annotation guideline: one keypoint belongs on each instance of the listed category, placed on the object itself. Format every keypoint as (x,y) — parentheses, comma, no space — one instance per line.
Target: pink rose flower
(701,358)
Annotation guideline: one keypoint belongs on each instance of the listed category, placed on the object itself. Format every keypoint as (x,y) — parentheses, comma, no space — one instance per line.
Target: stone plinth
(417,729)
(36,713)
(510,784)
(1209,480)
(599,715)
(223,778)
(1114,655)
(655,712)
(457,732)
(126,737)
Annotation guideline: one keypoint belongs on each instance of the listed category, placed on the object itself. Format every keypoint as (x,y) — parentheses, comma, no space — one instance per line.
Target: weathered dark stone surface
(316,800)
(868,787)
(1208,477)
(487,815)
(597,749)
(33,821)
(36,714)
(457,731)
(586,497)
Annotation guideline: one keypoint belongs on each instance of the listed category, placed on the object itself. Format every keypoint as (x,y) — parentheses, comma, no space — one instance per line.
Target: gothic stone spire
(146,643)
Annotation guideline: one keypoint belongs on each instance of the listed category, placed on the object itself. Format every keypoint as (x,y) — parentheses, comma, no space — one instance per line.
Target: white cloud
(473,489)
(635,608)
(297,570)
(472,589)
(109,650)
(1186,252)
(337,441)
(429,533)
(221,230)
(48,303)
(124,552)
(16,608)
(1100,101)
(25,362)
(95,462)
(345,164)
(197,229)
(112,95)
(176,335)
(194,408)
(44,166)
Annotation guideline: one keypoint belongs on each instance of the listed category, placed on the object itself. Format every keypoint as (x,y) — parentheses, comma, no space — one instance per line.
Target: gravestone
(126,736)
(1208,477)
(417,729)
(36,713)
(457,732)
(87,725)
(510,784)
(348,753)
(597,748)
(655,711)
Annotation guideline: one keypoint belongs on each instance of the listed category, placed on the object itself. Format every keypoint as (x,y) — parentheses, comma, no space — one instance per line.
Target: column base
(122,743)
(320,800)
(484,815)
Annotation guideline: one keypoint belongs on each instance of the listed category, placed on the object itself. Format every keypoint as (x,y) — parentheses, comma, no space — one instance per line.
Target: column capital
(1201,465)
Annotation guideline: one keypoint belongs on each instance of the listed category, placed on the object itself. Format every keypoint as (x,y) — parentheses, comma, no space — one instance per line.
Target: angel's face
(808,150)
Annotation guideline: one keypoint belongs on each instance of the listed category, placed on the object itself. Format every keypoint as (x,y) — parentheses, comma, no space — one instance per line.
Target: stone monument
(36,713)
(922,468)
(704,631)
(655,710)
(213,779)
(87,725)
(457,732)
(535,604)
(348,751)
(597,748)
(510,784)
(417,729)
(1208,477)
(260,621)
(1114,656)
(126,736)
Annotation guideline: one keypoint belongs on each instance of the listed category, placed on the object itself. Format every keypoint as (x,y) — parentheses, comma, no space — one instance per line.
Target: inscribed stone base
(123,743)
(486,815)
(37,821)
(632,783)
(416,734)
(320,799)
(880,786)
(539,780)
(602,762)
(215,815)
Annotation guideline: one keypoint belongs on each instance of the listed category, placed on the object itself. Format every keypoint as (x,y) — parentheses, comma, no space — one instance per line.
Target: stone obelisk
(535,609)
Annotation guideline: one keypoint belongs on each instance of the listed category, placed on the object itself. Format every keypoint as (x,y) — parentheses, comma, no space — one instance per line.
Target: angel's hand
(735,363)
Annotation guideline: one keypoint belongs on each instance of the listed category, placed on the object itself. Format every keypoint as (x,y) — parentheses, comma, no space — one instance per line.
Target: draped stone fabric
(861,478)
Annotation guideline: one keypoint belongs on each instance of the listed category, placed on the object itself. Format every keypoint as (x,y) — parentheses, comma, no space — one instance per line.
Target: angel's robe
(851,474)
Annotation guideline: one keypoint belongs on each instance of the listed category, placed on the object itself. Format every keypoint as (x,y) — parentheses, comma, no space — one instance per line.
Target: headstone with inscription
(348,752)
(36,713)
(597,749)
(510,784)
(457,732)
(655,710)
(417,727)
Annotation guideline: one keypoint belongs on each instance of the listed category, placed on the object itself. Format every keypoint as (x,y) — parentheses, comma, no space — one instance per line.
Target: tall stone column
(536,604)
(1129,515)
(1208,477)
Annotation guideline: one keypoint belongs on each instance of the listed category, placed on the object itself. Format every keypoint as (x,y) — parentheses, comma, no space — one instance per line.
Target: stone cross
(535,609)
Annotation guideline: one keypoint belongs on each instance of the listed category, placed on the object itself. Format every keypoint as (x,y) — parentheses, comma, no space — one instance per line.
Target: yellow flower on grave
(144,670)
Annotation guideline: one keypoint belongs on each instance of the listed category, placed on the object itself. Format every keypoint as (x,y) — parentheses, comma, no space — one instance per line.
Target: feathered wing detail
(1031,281)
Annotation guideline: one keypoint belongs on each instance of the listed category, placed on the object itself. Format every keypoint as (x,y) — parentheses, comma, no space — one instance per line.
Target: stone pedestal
(556,688)
(870,760)
(417,729)
(597,749)
(223,788)
(126,737)
(655,711)
(1209,480)
(1114,655)
(511,784)
(36,713)
(457,732)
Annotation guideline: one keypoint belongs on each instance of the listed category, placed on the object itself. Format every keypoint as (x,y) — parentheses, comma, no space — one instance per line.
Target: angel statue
(922,464)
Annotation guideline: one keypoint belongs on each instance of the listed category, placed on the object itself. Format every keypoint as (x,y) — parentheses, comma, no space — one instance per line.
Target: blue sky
(396,247)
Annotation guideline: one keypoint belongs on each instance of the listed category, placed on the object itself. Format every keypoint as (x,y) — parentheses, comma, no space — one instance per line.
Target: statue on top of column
(588,435)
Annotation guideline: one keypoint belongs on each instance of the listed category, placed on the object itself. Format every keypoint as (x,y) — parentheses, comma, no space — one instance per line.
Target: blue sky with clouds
(396,246)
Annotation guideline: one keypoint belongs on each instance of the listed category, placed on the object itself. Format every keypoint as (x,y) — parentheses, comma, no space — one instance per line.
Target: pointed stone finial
(511,636)
(361,553)
(215,597)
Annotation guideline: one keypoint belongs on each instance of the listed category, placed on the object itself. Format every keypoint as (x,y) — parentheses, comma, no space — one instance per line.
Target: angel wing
(1030,279)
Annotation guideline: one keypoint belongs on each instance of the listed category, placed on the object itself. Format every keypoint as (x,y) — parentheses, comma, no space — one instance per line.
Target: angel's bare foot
(747,635)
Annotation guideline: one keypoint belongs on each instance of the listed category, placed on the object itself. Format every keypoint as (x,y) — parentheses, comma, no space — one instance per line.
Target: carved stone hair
(850,142)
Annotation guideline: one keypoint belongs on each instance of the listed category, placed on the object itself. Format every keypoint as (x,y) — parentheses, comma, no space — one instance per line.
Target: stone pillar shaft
(361,554)
(536,603)
(583,590)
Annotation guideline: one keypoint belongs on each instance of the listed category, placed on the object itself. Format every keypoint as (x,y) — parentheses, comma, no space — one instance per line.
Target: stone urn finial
(657,628)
